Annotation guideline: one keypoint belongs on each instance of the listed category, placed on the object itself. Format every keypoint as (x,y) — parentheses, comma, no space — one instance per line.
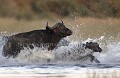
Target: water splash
(71,54)
(112,55)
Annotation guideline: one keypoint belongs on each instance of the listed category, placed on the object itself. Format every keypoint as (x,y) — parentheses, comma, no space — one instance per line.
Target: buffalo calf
(95,47)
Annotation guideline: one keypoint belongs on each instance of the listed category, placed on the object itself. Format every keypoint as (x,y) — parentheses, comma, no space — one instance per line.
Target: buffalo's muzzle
(69,32)
(100,50)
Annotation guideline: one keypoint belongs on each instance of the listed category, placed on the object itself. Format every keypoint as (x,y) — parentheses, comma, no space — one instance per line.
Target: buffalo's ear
(62,22)
(47,28)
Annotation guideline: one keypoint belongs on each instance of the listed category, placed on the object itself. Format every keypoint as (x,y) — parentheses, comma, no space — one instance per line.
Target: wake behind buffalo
(48,38)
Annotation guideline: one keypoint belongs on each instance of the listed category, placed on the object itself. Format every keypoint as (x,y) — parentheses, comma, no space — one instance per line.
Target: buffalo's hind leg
(6,49)
(10,49)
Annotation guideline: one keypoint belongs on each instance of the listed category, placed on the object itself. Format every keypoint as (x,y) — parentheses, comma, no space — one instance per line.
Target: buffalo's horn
(47,27)
(47,24)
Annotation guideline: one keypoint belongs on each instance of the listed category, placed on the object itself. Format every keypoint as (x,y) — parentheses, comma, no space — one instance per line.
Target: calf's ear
(87,44)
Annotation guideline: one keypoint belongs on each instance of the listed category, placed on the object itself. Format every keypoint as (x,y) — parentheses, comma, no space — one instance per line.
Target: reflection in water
(88,74)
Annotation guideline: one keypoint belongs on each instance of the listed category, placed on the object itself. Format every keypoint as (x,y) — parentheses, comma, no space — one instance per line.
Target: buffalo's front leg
(94,59)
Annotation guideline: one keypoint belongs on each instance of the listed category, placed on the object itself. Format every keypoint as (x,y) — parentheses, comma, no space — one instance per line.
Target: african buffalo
(48,38)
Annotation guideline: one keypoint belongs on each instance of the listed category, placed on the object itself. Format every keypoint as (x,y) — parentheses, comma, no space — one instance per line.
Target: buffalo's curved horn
(46,24)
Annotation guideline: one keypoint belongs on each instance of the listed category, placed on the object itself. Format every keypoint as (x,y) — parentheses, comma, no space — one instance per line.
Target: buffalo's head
(93,46)
(60,29)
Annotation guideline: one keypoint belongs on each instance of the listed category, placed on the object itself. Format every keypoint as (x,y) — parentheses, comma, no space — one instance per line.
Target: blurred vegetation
(37,9)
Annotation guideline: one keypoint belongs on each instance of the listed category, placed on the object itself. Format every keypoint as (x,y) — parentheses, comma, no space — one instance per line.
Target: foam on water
(71,54)
(112,55)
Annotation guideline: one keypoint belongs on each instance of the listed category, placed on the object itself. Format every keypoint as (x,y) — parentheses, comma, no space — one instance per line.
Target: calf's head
(60,29)
(93,46)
